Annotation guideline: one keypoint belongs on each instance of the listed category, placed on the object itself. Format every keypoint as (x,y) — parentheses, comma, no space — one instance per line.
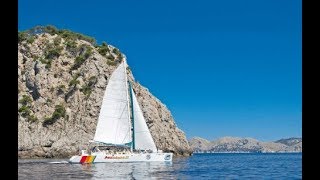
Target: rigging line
(128,133)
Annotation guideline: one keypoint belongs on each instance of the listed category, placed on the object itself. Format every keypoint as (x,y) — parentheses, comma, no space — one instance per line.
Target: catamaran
(122,134)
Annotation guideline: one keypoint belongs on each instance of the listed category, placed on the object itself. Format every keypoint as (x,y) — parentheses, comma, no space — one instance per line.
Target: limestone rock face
(61,83)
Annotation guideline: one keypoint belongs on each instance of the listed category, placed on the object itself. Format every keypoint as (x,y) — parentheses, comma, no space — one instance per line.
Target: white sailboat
(122,134)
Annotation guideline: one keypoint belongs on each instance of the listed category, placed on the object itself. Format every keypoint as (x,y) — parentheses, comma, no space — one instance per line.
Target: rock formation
(62,76)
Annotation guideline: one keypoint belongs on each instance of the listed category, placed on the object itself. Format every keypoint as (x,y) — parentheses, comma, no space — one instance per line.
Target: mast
(130,118)
(132,115)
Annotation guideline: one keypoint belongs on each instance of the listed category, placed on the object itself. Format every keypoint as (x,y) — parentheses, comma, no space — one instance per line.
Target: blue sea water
(198,166)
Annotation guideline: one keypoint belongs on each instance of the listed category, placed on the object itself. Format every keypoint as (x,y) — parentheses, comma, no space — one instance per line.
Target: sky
(223,68)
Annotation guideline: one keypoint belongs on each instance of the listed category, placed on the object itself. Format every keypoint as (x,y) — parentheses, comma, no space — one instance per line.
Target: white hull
(102,157)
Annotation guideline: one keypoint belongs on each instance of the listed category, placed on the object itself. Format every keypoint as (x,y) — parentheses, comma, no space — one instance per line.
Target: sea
(198,166)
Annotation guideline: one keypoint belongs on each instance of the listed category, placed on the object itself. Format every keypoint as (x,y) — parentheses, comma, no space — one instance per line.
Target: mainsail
(143,138)
(113,124)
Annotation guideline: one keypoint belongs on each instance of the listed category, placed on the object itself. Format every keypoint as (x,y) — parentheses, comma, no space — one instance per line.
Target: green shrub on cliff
(103,49)
(22,36)
(57,114)
(74,80)
(71,44)
(30,39)
(25,100)
(46,62)
(116,51)
(111,63)
(53,52)
(92,80)
(86,53)
(32,118)
(24,111)
(86,89)
(25,36)
(49,29)
(57,41)
(59,111)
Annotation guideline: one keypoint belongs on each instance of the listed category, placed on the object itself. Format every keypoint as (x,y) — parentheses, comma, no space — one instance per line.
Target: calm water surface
(198,166)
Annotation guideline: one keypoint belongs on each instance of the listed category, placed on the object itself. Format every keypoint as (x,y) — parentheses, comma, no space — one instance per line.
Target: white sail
(114,122)
(143,138)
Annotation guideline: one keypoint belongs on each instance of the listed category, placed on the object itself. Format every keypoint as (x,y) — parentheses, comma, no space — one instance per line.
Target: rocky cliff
(62,76)
(236,144)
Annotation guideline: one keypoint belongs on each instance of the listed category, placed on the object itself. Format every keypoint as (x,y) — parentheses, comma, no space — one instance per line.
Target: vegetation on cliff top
(53,50)
(67,34)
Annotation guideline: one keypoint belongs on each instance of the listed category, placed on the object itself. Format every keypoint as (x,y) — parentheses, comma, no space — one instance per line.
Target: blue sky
(223,68)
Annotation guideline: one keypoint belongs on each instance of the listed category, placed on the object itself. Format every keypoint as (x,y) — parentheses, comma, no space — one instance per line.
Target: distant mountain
(290,141)
(237,144)
(198,143)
